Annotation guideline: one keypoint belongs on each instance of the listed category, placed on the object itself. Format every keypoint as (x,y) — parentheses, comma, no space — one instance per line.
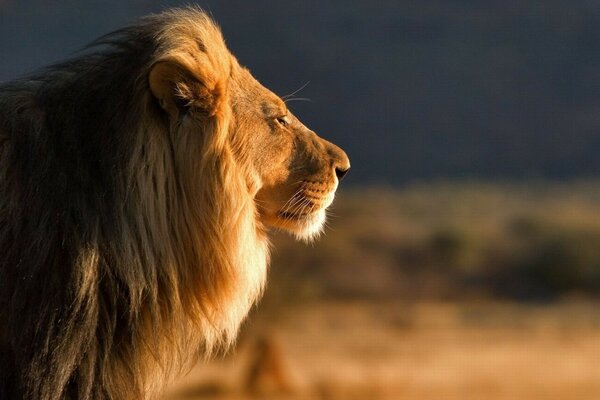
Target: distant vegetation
(449,241)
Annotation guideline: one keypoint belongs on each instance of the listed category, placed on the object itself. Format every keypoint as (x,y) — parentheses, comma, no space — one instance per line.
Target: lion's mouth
(303,214)
(304,209)
(303,217)
(296,216)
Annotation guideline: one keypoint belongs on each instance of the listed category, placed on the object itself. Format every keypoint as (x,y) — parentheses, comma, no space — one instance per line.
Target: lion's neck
(201,256)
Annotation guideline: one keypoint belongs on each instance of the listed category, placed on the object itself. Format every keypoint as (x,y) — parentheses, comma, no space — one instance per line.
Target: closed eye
(283,120)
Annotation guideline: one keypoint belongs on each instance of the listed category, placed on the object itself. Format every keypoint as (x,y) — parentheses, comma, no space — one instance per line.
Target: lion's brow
(272,108)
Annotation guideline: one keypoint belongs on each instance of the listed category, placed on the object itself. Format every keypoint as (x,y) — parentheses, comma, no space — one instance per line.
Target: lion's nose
(341,172)
(341,162)
(338,158)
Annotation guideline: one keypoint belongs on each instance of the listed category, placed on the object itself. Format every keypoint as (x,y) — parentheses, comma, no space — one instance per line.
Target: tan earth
(409,352)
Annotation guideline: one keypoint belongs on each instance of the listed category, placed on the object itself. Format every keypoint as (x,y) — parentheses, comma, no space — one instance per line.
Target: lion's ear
(178,87)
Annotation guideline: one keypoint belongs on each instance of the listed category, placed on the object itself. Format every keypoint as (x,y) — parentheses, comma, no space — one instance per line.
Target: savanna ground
(438,291)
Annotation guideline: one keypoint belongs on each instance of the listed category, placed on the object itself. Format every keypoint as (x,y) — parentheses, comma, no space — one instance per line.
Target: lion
(139,181)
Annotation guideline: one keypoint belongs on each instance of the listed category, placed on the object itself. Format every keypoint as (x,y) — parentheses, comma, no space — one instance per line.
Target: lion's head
(137,184)
(293,171)
(297,172)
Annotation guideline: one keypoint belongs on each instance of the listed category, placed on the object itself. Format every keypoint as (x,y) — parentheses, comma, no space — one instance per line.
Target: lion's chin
(310,227)
(305,227)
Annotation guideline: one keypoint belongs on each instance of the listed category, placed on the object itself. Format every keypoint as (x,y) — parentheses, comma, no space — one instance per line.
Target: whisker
(297,209)
(293,200)
(296,193)
(313,207)
(297,99)
(332,214)
(293,208)
(300,207)
(287,96)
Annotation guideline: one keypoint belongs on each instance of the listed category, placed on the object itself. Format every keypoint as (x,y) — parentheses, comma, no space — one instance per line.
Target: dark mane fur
(99,243)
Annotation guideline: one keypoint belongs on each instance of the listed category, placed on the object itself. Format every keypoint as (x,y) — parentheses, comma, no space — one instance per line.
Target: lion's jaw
(299,203)
(305,212)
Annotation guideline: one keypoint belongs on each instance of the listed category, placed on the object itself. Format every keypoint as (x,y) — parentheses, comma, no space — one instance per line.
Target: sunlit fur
(132,217)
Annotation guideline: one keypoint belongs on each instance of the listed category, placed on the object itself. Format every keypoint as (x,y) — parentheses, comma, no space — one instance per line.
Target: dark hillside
(413,90)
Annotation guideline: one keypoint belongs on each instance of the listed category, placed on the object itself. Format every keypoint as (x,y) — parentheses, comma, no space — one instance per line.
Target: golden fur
(137,182)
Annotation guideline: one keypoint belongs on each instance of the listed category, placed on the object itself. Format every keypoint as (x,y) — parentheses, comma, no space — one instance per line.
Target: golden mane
(128,243)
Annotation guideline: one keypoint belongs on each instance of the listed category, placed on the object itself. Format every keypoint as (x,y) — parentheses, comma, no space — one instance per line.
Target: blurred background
(462,256)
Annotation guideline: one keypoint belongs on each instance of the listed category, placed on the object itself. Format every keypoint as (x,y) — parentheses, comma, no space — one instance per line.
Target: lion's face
(296,171)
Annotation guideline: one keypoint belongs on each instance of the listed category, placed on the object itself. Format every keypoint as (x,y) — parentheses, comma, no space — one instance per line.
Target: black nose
(340,173)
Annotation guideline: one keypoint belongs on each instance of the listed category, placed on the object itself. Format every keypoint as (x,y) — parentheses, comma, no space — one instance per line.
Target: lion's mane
(128,244)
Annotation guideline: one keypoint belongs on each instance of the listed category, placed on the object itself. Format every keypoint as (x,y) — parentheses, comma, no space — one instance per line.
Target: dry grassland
(425,351)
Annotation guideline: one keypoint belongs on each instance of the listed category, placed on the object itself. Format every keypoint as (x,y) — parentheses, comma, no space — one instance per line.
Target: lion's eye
(283,120)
